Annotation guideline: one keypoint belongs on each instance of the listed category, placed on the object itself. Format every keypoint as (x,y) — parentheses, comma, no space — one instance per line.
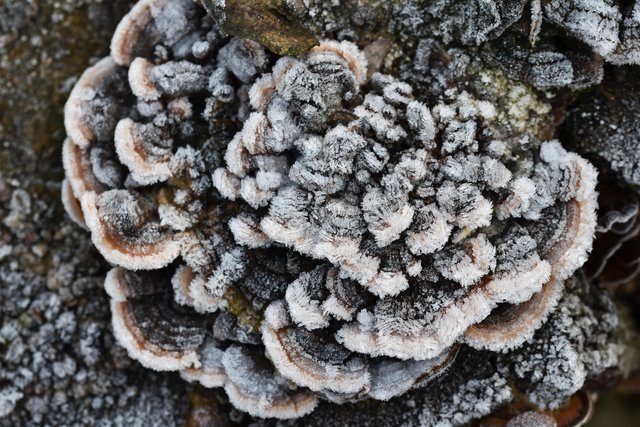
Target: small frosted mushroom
(140,148)
(244,58)
(72,204)
(89,111)
(253,387)
(237,157)
(261,92)
(345,296)
(386,221)
(253,194)
(354,57)
(304,297)
(149,22)
(120,232)
(292,352)
(179,78)
(78,169)
(146,325)
(430,232)
(421,121)
(226,183)
(190,289)
(211,371)
(465,204)
(378,115)
(140,80)
(246,231)
(522,190)
(467,265)
(391,378)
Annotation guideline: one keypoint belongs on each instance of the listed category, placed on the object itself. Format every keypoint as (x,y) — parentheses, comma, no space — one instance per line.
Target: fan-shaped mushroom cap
(304,298)
(150,22)
(122,285)
(571,247)
(430,232)
(262,91)
(147,160)
(253,387)
(148,327)
(350,53)
(71,204)
(191,289)
(90,112)
(385,336)
(78,171)
(211,371)
(246,231)
(140,80)
(120,231)
(226,183)
(309,360)
(468,264)
(516,324)
(345,296)
(391,378)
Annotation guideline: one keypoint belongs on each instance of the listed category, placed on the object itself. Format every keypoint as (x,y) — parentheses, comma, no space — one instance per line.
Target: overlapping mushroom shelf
(294,229)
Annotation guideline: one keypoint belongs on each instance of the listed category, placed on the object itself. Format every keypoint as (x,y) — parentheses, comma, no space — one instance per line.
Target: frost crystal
(344,238)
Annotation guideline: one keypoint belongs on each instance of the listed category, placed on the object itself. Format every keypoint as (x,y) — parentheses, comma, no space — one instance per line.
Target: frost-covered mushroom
(92,110)
(140,80)
(210,372)
(148,23)
(309,360)
(391,378)
(72,204)
(119,226)
(342,238)
(191,290)
(142,149)
(253,387)
(145,323)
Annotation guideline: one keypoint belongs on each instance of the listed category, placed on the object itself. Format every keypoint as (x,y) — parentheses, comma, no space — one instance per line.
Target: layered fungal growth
(548,44)
(293,230)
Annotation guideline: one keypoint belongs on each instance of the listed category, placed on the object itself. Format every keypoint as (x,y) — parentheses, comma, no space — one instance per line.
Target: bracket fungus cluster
(293,230)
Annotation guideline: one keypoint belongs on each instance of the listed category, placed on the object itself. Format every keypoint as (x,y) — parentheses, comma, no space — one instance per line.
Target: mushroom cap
(147,325)
(71,204)
(292,352)
(253,388)
(78,170)
(89,109)
(135,152)
(149,22)
(147,249)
